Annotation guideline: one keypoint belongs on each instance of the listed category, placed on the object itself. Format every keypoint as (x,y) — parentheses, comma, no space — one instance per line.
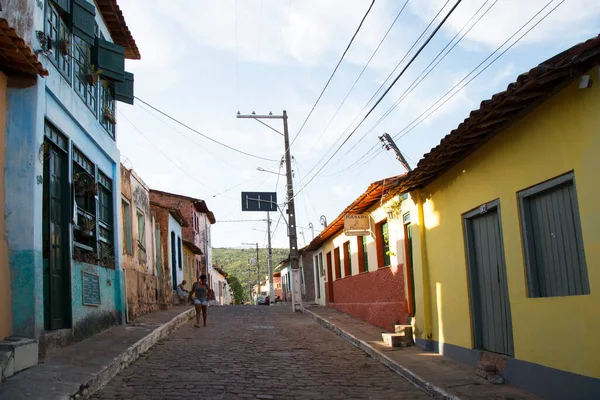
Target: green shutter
(110,58)
(63,5)
(124,90)
(83,20)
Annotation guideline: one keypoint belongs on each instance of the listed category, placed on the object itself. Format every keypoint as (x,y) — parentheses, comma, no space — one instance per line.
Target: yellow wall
(560,136)
(5,296)
(189,267)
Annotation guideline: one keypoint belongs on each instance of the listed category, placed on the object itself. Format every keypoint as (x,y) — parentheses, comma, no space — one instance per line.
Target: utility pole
(270,258)
(257,269)
(291,209)
(388,144)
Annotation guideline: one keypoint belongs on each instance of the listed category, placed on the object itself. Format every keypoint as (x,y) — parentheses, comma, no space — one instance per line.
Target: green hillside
(235,262)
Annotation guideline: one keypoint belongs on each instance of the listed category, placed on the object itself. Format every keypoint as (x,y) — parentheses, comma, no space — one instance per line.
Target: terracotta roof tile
(15,55)
(115,22)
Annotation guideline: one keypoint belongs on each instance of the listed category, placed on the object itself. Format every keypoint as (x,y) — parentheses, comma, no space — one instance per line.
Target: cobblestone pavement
(257,352)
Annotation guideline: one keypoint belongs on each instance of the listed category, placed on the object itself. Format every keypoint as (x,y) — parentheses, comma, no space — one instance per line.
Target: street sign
(356,224)
(259,201)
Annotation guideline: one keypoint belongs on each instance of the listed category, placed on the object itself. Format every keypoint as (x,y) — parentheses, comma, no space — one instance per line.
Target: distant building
(138,241)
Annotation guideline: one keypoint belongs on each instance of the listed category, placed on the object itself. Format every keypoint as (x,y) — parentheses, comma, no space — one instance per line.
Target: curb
(404,372)
(123,360)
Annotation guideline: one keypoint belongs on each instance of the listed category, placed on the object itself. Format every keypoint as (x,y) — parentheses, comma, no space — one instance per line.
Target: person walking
(202,292)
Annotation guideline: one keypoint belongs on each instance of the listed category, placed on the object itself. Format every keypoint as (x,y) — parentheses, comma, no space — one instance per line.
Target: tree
(238,290)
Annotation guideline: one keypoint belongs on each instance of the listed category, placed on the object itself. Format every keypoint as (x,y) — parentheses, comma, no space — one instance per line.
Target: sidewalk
(437,375)
(83,368)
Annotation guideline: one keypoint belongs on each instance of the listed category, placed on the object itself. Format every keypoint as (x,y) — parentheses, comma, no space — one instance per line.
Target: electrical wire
(221,159)
(384,94)
(405,130)
(358,77)
(201,134)
(427,71)
(415,43)
(333,73)
(164,154)
(444,99)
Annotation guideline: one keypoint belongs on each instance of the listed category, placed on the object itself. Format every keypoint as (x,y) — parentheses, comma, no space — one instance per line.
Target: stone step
(486,366)
(403,328)
(7,365)
(25,352)
(397,339)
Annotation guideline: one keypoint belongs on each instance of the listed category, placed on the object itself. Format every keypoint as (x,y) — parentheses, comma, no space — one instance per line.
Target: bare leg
(203,315)
(198,308)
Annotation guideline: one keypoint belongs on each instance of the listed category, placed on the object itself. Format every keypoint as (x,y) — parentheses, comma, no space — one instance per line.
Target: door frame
(408,262)
(475,330)
(329,288)
(66,212)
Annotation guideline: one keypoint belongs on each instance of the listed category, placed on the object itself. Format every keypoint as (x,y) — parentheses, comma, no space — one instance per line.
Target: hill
(236,263)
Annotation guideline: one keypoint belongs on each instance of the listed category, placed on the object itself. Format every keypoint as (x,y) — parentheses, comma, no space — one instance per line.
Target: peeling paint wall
(165,289)
(31,103)
(5,295)
(141,281)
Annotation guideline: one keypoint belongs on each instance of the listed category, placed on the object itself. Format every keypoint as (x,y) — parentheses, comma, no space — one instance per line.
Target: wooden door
(329,291)
(492,325)
(56,212)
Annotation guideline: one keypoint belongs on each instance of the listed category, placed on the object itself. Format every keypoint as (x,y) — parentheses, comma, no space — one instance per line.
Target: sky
(203,61)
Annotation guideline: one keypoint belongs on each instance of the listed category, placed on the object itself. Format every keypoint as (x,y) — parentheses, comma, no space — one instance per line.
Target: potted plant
(107,256)
(109,115)
(64,47)
(85,185)
(93,75)
(87,227)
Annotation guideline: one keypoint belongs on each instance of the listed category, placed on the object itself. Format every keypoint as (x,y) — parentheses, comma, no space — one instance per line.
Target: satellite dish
(253,261)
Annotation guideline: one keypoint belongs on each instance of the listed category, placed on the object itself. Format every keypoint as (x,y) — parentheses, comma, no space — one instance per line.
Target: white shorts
(202,302)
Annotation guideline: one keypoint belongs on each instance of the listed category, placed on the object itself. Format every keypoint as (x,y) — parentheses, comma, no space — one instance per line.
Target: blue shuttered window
(553,240)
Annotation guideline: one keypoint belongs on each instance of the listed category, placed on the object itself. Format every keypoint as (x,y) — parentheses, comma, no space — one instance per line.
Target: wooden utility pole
(388,144)
(291,209)
(270,258)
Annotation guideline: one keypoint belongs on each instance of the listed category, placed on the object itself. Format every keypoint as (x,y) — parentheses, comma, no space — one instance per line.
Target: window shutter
(124,90)
(83,21)
(63,5)
(110,58)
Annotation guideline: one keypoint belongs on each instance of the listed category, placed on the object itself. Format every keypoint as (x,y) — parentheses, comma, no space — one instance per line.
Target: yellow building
(190,264)
(506,236)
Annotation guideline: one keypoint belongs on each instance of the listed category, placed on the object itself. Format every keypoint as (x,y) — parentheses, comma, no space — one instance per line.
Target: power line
(221,159)
(426,71)
(400,134)
(382,85)
(201,134)
(164,154)
(430,110)
(384,93)
(334,71)
(358,77)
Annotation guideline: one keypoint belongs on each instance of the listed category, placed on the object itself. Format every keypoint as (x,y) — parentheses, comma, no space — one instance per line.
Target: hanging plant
(85,185)
(64,47)
(93,75)
(106,256)
(109,116)
(87,227)
(394,208)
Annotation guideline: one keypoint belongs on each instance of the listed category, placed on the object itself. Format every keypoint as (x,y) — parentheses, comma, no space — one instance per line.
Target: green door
(408,235)
(57,293)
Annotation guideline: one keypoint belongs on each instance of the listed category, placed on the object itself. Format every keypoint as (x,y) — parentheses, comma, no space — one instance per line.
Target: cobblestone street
(257,352)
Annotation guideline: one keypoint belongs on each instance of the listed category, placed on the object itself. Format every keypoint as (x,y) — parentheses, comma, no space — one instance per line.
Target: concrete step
(397,339)
(7,365)
(25,352)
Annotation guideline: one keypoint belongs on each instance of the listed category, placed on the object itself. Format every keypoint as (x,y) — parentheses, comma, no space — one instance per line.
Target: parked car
(264,300)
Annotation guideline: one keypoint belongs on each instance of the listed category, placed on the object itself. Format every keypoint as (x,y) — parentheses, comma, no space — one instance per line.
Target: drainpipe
(425,269)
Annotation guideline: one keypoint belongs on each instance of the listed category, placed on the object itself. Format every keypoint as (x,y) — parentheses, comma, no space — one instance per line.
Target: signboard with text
(356,224)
